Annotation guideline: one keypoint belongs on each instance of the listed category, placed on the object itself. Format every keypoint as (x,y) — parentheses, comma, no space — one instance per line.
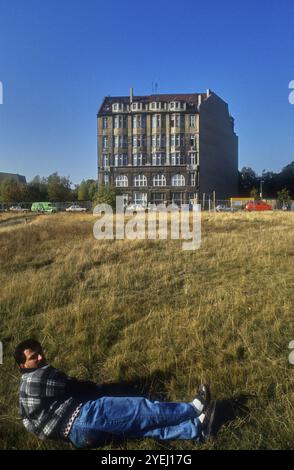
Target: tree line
(269,183)
(57,188)
(54,188)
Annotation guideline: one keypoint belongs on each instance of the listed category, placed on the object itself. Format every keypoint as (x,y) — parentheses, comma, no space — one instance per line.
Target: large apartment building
(167,148)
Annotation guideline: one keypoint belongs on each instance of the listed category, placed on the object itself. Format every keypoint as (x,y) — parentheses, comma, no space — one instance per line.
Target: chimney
(131,95)
(199,99)
(208,93)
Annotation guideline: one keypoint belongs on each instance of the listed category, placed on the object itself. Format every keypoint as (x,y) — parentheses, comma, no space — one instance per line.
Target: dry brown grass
(148,311)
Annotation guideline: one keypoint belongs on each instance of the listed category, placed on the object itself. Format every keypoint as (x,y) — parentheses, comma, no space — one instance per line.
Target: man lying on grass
(55,406)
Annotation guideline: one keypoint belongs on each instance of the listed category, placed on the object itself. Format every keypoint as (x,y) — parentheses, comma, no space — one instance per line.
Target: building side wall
(218,150)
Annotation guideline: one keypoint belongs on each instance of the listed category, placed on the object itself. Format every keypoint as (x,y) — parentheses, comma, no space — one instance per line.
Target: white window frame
(140,198)
(193,138)
(192,120)
(121,181)
(140,181)
(105,142)
(192,158)
(138,159)
(178,180)
(176,158)
(105,160)
(159,180)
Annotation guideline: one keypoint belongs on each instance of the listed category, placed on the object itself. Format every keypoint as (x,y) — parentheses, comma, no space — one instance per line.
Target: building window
(193,179)
(138,121)
(192,158)
(156,121)
(175,120)
(159,180)
(106,179)
(120,141)
(179,140)
(123,160)
(192,140)
(140,198)
(157,141)
(178,180)
(140,180)
(138,159)
(116,141)
(176,158)
(176,105)
(117,107)
(126,199)
(104,123)
(120,160)
(121,181)
(105,160)
(177,198)
(138,140)
(192,120)
(105,142)
(117,122)
(158,158)
(157,198)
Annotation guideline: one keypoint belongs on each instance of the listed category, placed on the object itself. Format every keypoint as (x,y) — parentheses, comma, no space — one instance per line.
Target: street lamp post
(260,194)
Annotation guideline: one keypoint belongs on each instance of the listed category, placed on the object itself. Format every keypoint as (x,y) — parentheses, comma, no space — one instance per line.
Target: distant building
(16,177)
(168,148)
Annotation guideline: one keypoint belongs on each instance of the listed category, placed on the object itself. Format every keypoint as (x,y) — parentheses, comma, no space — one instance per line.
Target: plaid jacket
(45,404)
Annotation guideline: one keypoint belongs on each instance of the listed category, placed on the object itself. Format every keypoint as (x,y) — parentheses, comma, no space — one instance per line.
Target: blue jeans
(133,417)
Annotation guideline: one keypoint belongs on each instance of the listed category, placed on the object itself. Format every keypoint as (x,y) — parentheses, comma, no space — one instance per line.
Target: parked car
(224,208)
(76,208)
(44,207)
(18,208)
(258,206)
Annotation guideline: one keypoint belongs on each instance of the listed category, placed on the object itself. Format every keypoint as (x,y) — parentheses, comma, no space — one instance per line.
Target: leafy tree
(12,191)
(269,183)
(59,188)
(106,195)
(37,190)
(254,194)
(283,197)
(248,179)
(286,178)
(87,190)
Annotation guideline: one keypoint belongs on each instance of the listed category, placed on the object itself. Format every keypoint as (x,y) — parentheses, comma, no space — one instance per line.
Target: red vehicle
(258,206)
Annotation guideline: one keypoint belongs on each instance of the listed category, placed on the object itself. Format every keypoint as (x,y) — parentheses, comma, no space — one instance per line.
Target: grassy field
(151,314)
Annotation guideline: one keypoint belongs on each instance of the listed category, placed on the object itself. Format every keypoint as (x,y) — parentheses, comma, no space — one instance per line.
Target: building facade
(16,177)
(167,148)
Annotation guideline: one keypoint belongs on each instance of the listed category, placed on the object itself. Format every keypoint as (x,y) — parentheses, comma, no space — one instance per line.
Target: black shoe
(214,419)
(203,396)
(208,423)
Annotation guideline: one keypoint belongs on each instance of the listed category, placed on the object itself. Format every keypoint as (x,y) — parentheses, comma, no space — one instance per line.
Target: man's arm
(82,389)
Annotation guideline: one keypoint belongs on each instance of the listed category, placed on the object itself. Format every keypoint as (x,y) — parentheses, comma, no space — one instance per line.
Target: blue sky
(59,58)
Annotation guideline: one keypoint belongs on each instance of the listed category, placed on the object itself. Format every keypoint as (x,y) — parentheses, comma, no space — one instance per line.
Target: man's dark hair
(27,344)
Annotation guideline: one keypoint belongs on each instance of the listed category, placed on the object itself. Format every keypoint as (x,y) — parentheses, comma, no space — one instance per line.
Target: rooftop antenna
(156,87)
